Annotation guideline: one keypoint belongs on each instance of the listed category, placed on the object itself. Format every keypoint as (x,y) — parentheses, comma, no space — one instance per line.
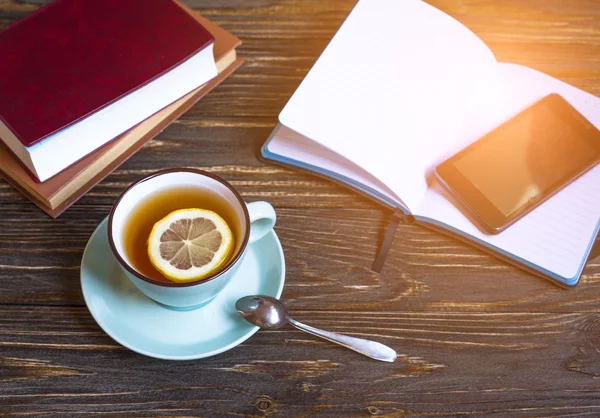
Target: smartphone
(508,172)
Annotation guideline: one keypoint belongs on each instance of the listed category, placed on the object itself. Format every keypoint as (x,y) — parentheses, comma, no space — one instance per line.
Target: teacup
(254,220)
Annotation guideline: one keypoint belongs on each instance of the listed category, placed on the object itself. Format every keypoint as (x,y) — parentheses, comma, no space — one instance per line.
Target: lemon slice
(190,244)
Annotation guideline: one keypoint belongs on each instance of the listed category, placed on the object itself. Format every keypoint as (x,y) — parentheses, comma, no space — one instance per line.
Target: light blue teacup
(255,220)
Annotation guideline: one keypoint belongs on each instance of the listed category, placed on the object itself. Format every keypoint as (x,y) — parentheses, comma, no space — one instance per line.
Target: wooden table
(474,335)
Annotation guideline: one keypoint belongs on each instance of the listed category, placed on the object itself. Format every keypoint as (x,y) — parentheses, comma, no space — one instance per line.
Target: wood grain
(475,336)
(449,364)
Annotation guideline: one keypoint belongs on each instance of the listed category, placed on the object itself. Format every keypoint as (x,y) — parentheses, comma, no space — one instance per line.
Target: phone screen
(526,158)
(512,169)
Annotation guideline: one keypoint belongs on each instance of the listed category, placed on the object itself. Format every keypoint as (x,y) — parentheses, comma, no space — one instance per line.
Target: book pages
(391,91)
(291,145)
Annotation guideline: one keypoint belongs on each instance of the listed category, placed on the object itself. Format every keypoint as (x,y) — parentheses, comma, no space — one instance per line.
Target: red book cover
(73,57)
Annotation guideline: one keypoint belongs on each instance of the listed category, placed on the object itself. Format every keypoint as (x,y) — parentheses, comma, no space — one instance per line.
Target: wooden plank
(328,254)
(56,360)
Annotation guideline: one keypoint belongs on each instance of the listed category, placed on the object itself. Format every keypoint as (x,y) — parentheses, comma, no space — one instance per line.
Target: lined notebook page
(391,90)
(557,235)
(291,145)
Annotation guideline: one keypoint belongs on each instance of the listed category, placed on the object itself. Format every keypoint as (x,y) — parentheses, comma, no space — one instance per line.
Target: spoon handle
(369,348)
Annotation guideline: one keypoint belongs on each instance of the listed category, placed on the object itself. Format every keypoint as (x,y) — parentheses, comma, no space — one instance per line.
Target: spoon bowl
(264,311)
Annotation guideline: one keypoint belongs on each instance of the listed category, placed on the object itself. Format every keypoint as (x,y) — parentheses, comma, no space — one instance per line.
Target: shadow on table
(595,249)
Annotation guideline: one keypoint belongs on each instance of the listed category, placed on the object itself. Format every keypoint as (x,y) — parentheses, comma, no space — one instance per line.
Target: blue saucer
(144,326)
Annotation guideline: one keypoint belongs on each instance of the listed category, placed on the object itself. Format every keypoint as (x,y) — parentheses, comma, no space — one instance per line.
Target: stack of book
(85,85)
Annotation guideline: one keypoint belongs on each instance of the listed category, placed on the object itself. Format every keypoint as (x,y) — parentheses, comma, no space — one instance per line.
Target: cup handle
(262,219)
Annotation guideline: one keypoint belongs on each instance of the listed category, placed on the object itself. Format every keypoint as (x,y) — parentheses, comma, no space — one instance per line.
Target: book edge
(223,59)
(56,199)
(519,262)
(210,41)
(344,181)
(30,16)
(54,213)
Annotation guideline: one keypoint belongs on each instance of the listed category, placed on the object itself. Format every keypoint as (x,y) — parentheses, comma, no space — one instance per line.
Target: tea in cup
(164,267)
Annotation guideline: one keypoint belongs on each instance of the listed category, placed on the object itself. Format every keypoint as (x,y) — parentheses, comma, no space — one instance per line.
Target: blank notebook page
(391,90)
(290,144)
(557,235)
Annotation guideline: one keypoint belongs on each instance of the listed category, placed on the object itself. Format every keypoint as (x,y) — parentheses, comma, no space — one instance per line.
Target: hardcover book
(61,191)
(77,74)
(400,88)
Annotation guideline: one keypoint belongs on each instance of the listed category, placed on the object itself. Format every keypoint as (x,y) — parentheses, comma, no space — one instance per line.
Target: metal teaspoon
(270,313)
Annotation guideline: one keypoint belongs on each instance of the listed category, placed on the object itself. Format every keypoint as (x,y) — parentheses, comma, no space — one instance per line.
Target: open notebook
(400,88)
